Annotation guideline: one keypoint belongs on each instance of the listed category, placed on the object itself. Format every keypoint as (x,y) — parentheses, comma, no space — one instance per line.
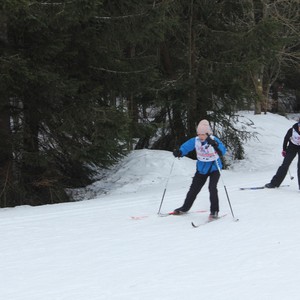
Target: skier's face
(202,136)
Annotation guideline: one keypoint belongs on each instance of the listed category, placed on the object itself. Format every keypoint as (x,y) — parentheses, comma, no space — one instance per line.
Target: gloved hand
(212,142)
(283,153)
(177,153)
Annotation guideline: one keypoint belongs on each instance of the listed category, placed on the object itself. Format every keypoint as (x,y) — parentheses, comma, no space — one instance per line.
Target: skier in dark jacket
(291,147)
(208,149)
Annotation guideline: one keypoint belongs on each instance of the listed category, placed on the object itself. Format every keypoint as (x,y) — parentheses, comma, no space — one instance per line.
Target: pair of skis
(209,220)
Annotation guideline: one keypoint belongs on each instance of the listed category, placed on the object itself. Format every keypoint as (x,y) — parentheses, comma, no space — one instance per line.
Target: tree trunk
(6,155)
(260,99)
(6,158)
(193,72)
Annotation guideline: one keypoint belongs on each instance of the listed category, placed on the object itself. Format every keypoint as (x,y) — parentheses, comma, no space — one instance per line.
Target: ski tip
(193,225)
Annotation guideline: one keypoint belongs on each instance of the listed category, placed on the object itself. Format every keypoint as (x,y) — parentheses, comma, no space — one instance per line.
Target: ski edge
(166,214)
(260,187)
(252,188)
(183,214)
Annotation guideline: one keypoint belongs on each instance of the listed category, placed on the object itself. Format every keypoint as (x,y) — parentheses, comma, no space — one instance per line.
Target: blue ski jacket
(206,154)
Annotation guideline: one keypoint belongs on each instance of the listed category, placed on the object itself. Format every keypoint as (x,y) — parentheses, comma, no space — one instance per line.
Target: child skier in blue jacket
(208,149)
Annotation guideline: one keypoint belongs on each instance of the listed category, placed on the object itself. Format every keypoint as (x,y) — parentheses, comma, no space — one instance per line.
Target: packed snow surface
(116,247)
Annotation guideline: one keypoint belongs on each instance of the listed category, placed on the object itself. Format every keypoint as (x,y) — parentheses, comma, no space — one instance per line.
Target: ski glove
(177,153)
(283,153)
(212,142)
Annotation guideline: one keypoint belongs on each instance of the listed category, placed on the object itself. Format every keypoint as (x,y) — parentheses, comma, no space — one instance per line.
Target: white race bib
(295,138)
(205,152)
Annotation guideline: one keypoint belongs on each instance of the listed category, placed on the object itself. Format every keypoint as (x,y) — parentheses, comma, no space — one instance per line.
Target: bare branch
(121,17)
(120,72)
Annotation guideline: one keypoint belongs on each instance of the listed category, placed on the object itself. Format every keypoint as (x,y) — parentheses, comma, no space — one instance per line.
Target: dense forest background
(82,82)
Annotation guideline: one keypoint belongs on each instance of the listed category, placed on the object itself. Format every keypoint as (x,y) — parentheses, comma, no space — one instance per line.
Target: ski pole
(225,190)
(291,177)
(163,196)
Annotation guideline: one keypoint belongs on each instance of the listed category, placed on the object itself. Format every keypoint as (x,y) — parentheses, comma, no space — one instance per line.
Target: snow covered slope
(94,249)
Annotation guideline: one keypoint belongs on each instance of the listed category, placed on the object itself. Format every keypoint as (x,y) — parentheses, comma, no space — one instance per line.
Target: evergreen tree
(63,124)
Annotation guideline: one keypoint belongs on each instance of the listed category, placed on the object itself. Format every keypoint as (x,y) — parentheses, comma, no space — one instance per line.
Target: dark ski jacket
(289,140)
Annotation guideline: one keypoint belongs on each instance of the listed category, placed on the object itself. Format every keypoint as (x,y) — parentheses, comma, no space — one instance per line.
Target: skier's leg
(283,169)
(196,186)
(213,191)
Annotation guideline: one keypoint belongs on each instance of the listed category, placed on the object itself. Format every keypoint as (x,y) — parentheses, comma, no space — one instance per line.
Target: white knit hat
(204,128)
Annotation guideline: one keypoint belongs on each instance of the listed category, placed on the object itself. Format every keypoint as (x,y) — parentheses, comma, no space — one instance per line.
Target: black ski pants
(291,152)
(196,186)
